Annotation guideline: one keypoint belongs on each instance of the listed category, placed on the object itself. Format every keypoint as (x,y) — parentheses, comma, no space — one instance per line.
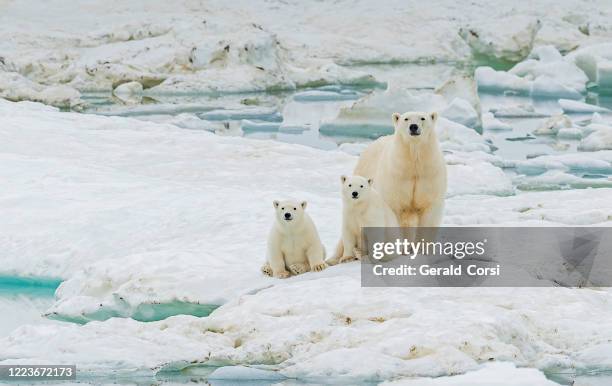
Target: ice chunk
(596,61)
(15,87)
(321,95)
(498,81)
(478,178)
(548,87)
(557,179)
(570,133)
(552,125)
(457,137)
(461,111)
(571,106)
(463,87)
(511,43)
(597,162)
(259,113)
(517,111)
(552,74)
(252,126)
(128,89)
(489,122)
(129,92)
(600,139)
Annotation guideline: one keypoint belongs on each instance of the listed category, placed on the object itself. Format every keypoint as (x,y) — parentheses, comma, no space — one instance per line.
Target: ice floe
(571,106)
(351,334)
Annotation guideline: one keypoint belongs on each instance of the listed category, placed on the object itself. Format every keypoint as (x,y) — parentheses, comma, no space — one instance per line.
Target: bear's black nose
(355,194)
(287,216)
(414,128)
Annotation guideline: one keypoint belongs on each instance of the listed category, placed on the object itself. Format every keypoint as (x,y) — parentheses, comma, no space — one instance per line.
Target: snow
(134,214)
(350,333)
(498,374)
(248,46)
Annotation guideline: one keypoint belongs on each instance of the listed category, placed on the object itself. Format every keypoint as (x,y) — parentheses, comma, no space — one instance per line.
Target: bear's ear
(434,117)
(275,203)
(396,117)
(343,178)
(303,204)
(370,181)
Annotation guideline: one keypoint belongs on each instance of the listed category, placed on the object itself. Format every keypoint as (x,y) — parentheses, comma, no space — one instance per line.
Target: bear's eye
(406,119)
(362,186)
(294,209)
(350,185)
(282,208)
(422,119)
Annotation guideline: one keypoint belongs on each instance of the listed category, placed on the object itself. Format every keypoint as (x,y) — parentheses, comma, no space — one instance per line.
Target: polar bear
(408,169)
(362,207)
(294,246)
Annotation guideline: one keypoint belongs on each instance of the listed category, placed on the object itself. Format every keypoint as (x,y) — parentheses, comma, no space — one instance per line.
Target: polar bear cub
(362,207)
(294,246)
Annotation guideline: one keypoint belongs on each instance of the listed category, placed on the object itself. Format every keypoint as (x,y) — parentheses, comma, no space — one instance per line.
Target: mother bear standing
(408,170)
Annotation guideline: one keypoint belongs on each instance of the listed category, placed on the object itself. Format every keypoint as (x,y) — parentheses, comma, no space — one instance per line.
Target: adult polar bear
(408,170)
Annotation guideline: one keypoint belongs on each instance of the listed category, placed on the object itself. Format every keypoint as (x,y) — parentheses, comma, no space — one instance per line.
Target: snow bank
(248,46)
(15,87)
(166,203)
(351,334)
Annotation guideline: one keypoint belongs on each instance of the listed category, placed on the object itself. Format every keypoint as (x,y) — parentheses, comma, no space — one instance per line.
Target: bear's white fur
(408,169)
(294,246)
(362,206)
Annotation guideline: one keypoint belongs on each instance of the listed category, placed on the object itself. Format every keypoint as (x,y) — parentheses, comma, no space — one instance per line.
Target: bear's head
(289,211)
(415,126)
(355,188)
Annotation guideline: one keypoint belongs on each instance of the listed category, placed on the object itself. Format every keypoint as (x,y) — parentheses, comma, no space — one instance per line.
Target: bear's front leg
(266,269)
(316,257)
(349,241)
(277,263)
